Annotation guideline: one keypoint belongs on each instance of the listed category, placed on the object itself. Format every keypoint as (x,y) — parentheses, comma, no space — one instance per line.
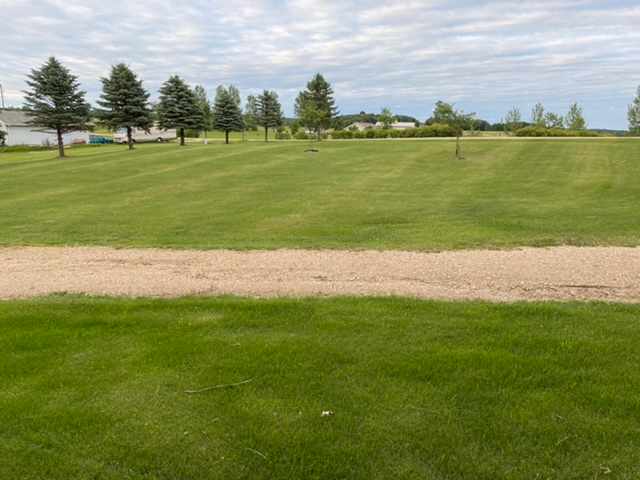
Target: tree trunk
(60,143)
(182,137)
(458,148)
(130,138)
(266,134)
(226,137)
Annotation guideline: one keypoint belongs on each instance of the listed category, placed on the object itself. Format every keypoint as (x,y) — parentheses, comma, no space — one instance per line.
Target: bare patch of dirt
(559,273)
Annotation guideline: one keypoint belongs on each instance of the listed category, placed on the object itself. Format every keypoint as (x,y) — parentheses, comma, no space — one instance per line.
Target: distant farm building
(398,125)
(360,126)
(18,131)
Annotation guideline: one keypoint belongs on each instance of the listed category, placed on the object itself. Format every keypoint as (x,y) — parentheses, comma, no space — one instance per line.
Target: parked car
(140,135)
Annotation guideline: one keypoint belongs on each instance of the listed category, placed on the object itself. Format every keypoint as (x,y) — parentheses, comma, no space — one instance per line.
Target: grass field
(402,195)
(95,388)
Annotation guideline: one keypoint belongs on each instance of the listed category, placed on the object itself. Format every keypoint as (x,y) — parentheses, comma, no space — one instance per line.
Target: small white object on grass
(327,413)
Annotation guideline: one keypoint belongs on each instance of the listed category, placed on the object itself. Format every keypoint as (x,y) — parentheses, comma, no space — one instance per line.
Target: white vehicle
(138,135)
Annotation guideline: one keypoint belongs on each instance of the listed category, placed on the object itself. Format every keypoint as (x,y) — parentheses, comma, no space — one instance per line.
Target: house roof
(14,118)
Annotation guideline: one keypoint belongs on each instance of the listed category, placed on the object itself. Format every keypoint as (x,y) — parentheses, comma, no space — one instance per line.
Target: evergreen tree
(125,102)
(178,107)
(315,106)
(269,112)
(227,113)
(634,115)
(574,120)
(55,101)
(205,108)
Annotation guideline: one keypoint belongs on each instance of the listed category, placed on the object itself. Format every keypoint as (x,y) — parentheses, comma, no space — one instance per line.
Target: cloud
(486,56)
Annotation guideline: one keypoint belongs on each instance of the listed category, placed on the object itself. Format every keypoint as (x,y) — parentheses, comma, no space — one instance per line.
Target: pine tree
(634,115)
(178,107)
(315,106)
(205,108)
(227,114)
(125,102)
(574,120)
(55,101)
(269,112)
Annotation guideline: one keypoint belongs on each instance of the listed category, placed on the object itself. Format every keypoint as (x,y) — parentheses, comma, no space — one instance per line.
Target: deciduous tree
(537,115)
(55,101)
(386,118)
(178,107)
(574,119)
(124,102)
(205,108)
(634,115)
(512,120)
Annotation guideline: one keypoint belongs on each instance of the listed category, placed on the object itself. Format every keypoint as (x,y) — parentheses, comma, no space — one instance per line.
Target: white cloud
(485,55)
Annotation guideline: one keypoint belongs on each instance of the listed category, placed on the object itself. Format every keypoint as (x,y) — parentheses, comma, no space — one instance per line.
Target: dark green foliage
(227,113)
(269,112)
(435,130)
(535,131)
(205,107)
(3,137)
(178,107)
(124,102)
(315,106)
(55,101)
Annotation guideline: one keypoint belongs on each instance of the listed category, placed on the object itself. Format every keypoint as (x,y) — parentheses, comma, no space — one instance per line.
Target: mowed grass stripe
(386,195)
(96,388)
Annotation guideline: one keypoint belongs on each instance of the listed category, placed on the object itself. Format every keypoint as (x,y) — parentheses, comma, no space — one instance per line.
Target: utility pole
(2,96)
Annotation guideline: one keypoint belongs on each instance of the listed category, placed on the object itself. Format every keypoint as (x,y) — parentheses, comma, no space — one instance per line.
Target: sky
(486,57)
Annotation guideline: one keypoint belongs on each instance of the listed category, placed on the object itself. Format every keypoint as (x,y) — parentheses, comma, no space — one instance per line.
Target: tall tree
(315,106)
(513,120)
(251,113)
(227,113)
(124,102)
(269,112)
(574,119)
(178,107)
(205,108)
(55,101)
(634,115)
(443,113)
(537,115)
(553,120)
(386,118)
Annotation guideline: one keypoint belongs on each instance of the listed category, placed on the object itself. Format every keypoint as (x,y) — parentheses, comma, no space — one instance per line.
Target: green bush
(435,130)
(536,131)
(283,135)
(300,135)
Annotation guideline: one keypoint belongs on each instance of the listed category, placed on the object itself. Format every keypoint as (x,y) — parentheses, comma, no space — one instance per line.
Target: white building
(360,126)
(398,125)
(19,132)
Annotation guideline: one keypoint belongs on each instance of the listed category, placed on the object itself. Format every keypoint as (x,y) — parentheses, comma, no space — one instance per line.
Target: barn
(18,131)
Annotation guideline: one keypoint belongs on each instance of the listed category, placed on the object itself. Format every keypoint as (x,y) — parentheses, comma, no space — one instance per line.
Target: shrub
(300,135)
(283,135)
(537,131)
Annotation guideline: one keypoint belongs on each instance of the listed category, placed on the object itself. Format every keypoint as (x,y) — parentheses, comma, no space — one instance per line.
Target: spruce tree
(125,102)
(269,112)
(55,101)
(178,107)
(315,106)
(634,115)
(227,113)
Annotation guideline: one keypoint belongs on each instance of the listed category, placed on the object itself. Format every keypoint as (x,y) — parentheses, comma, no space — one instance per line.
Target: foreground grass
(95,388)
(386,194)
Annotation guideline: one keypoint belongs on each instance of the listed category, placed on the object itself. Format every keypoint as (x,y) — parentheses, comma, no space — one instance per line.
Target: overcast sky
(484,56)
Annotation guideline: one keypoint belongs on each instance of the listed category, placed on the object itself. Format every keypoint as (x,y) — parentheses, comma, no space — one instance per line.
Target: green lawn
(377,194)
(95,389)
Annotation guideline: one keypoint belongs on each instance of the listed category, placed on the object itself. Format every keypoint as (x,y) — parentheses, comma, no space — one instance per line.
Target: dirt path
(566,273)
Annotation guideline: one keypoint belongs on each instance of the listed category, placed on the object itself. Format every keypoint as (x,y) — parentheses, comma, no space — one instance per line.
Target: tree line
(54,100)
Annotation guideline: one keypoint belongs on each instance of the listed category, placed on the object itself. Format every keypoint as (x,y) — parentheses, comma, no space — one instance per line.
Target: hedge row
(434,130)
(553,132)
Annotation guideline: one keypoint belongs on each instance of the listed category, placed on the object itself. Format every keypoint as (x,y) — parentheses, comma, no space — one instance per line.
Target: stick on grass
(215,387)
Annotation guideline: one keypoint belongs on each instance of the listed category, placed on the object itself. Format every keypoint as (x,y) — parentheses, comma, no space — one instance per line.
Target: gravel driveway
(559,273)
